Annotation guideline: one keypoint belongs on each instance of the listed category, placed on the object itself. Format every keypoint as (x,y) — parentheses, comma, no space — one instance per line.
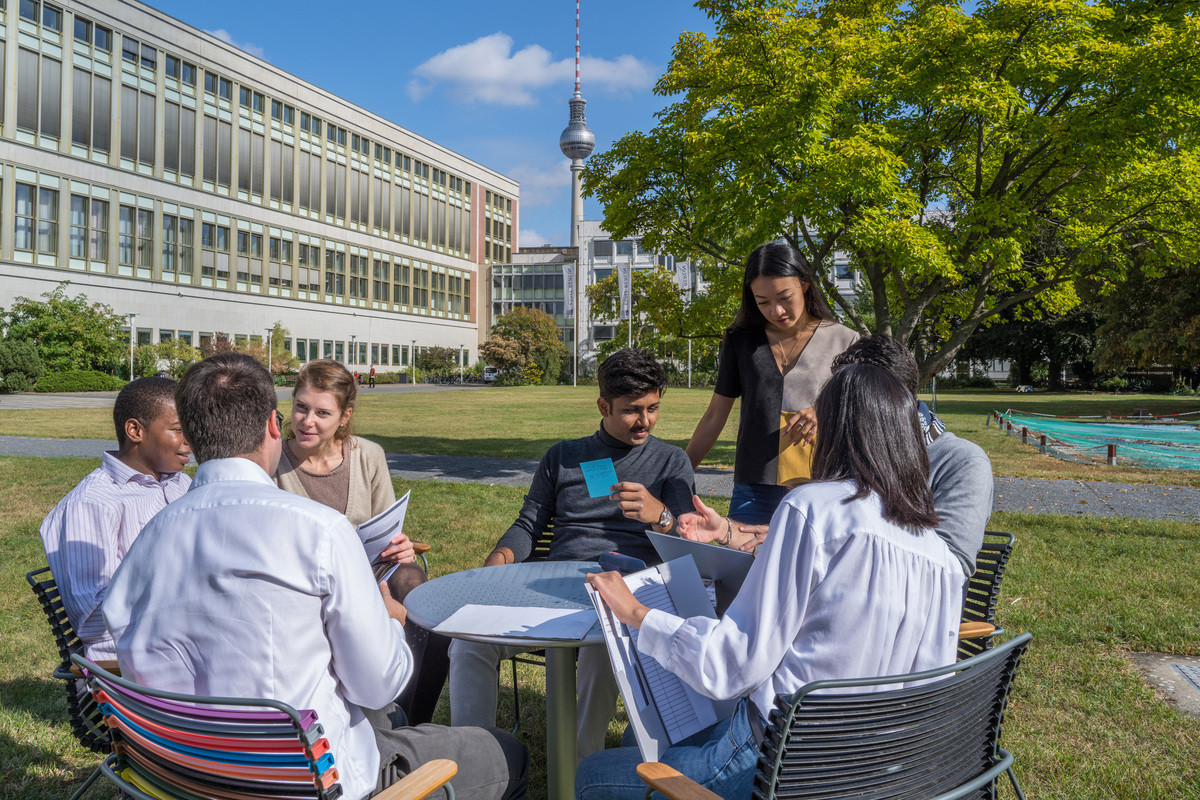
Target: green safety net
(1158,444)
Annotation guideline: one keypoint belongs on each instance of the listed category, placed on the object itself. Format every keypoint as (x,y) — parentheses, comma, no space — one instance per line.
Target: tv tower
(577,143)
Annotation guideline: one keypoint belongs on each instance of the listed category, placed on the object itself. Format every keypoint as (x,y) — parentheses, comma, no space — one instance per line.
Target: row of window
(168,243)
(349,352)
(309,173)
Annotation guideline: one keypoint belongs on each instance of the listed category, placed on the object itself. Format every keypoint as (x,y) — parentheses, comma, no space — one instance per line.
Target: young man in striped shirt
(90,530)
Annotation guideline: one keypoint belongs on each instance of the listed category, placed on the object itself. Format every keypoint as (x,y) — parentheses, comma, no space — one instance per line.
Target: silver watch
(665,519)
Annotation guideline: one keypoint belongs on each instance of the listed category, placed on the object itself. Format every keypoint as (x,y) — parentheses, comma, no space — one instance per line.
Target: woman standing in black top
(776,357)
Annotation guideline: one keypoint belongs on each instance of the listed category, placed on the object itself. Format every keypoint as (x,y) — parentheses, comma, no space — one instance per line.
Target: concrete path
(1036,496)
(34,400)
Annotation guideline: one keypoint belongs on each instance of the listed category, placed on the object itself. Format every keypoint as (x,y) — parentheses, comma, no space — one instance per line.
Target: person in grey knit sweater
(655,485)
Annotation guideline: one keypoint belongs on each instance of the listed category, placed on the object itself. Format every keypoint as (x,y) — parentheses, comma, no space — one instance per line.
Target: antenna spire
(577,94)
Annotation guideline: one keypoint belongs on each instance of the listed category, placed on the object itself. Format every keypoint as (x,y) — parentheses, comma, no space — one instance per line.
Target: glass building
(204,191)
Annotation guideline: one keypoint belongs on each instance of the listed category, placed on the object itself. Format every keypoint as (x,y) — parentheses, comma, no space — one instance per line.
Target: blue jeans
(755,503)
(720,758)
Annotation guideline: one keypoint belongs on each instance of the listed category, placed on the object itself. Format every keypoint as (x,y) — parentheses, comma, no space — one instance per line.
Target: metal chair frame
(305,728)
(939,740)
(983,591)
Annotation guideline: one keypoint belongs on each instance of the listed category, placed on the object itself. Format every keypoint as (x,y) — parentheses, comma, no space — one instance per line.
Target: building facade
(206,192)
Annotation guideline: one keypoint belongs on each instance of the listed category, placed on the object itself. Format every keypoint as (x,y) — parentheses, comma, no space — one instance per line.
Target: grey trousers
(474,669)
(492,764)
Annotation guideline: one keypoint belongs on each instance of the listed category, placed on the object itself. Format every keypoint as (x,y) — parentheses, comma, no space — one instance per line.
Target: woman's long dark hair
(867,431)
(778,260)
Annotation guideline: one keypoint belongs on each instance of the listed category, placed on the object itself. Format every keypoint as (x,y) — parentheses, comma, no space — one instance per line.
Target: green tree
(1153,320)
(69,332)
(20,366)
(438,360)
(178,355)
(663,320)
(282,359)
(525,343)
(934,145)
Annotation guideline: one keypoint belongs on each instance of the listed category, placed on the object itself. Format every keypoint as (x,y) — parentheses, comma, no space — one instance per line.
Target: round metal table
(538,584)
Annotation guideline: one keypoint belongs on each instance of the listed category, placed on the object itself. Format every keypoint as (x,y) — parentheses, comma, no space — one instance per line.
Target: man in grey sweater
(654,485)
(960,473)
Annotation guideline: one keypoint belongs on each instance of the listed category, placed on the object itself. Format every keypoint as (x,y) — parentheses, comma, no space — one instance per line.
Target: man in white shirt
(88,533)
(240,588)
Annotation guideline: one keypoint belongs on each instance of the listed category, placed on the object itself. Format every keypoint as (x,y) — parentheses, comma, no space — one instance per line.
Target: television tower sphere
(577,140)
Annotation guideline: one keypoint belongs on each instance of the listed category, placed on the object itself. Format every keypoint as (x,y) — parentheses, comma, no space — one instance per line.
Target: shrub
(78,380)
(20,365)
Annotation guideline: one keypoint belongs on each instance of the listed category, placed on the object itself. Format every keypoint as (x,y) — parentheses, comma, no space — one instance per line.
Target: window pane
(51,96)
(224,153)
(187,142)
(98,222)
(171,137)
(47,221)
(101,112)
(276,162)
(256,169)
(288,166)
(103,39)
(129,103)
(244,156)
(210,148)
(77,241)
(146,129)
(81,106)
(27,88)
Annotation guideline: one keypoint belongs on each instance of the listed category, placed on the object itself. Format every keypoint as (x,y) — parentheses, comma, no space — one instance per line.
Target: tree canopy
(940,148)
(70,333)
(525,344)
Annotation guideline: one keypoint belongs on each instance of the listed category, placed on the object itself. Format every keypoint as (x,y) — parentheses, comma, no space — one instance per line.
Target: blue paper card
(600,476)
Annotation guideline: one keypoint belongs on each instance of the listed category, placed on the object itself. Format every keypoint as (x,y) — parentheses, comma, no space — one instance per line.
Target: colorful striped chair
(171,746)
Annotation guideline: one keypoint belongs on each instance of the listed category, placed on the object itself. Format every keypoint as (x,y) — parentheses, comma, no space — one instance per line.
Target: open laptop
(726,568)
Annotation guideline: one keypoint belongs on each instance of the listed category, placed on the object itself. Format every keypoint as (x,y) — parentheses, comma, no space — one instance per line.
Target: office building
(204,191)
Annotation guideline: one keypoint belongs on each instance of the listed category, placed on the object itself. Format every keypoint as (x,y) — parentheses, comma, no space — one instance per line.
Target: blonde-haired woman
(324,461)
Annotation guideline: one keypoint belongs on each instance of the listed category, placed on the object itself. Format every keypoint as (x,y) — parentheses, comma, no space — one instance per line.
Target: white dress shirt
(88,533)
(836,592)
(242,589)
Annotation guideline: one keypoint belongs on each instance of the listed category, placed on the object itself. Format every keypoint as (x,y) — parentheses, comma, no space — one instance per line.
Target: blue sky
(489,80)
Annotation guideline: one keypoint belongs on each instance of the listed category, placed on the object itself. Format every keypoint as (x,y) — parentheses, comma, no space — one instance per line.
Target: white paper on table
(520,621)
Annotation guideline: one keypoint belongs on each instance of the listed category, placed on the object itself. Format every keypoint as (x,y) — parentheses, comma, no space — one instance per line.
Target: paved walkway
(1038,496)
(34,400)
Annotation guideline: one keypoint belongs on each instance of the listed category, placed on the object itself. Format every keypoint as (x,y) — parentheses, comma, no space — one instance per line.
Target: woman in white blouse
(851,582)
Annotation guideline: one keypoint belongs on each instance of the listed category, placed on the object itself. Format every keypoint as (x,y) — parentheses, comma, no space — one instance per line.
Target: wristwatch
(666,519)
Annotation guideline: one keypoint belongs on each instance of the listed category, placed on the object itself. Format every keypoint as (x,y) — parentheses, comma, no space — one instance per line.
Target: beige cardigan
(371,490)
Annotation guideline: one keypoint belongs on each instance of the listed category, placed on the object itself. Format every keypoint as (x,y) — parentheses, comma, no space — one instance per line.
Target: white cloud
(531,238)
(246,47)
(488,71)
(542,186)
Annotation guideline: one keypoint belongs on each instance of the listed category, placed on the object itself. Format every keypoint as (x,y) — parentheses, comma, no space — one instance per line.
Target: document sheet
(662,708)
(377,533)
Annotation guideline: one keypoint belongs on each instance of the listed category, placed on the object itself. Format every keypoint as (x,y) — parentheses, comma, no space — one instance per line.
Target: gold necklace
(786,360)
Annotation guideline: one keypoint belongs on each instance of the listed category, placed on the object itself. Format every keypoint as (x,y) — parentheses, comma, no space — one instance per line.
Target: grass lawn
(523,422)
(1080,722)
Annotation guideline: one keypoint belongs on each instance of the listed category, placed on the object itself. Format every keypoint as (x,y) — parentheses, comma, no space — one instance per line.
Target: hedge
(78,380)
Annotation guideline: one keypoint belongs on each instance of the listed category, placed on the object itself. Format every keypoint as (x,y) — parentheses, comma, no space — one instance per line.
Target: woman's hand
(757,534)
(399,550)
(703,525)
(802,427)
(616,595)
(395,608)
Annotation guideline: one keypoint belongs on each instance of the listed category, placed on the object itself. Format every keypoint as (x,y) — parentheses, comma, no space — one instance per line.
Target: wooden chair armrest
(671,783)
(421,782)
(975,630)
(420,547)
(108,666)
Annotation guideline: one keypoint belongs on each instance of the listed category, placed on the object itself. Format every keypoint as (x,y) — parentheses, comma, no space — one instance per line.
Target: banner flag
(625,287)
(568,274)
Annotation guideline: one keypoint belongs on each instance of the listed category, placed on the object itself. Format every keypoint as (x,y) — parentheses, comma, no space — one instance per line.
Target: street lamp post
(270,333)
(351,353)
(131,335)
(462,356)
(412,364)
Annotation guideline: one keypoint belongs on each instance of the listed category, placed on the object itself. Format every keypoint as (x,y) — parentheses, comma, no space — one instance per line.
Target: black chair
(983,591)
(537,658)
(87,723)
(937,740)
